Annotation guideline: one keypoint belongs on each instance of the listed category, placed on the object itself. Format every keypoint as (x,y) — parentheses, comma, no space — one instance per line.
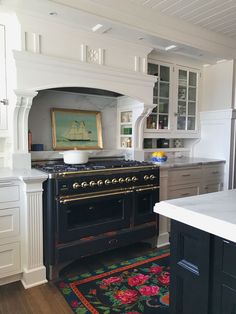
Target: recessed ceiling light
(221,60)
(170,47)
(53,13)
(96,27)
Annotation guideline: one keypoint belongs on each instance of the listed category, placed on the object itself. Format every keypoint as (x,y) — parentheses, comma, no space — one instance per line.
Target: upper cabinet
(175,95)
(187,88)
(159,119)
(3,96)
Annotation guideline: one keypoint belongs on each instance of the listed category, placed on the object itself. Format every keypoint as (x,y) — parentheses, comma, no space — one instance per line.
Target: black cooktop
(60,167)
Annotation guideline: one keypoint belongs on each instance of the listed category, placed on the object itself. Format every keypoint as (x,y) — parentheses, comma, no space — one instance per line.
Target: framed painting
(76,129)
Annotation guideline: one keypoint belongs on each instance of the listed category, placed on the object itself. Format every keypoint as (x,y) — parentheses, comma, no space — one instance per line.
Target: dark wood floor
(46,299)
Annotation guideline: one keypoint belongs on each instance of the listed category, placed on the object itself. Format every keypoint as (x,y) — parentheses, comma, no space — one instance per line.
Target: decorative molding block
(140,64)
(32,42)
(92,55)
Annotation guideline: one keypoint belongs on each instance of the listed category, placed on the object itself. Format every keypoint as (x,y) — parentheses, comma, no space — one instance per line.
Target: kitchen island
(203,253)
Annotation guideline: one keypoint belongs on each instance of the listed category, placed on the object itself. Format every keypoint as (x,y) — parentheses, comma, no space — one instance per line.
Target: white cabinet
(10,242)
(3,95)
(159,119)
(176,97)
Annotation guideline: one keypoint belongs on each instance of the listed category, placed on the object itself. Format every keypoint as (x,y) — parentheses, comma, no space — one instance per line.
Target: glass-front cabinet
(186,99)
(175,96)
(126,129)
(159,119)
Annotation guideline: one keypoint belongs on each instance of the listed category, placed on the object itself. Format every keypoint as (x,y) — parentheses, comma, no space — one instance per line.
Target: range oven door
(89,215)
(145,199)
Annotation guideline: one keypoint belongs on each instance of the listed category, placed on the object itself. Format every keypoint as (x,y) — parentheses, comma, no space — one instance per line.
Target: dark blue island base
(203,272)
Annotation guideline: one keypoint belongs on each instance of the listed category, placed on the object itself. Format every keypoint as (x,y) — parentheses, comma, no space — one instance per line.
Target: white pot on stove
(75,156)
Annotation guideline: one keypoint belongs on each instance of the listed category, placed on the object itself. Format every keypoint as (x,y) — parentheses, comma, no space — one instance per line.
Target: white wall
(40,118)
(217,86)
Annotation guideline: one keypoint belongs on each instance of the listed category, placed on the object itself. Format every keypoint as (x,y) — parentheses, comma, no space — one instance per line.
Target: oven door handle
(148,189)
(73,199)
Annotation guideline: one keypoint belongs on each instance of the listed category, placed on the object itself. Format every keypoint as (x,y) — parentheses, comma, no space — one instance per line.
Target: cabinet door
(187,90)
(190,266)
(3,107)
(224,277)
(159,119)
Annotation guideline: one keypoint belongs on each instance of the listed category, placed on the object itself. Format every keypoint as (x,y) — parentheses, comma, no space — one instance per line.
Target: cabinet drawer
(211,187)
(9,222)
(183,176)
(9,259)
(213,173)
(183,191)
(9,193)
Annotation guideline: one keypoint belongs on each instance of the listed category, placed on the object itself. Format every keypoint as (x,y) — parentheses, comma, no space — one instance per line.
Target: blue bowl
(159,159)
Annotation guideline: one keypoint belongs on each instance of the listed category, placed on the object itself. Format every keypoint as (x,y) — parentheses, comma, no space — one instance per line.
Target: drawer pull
(113,241)
(215,172)
(185,194)
(186,175)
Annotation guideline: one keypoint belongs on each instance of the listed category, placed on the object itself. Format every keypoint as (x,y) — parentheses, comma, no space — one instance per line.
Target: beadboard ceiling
(215,15)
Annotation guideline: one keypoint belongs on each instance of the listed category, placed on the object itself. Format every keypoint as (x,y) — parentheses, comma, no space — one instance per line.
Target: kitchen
(41,63)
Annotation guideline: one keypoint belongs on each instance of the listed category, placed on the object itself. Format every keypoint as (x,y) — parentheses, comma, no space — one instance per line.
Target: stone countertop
(214,213)
(188,162)
(21,174)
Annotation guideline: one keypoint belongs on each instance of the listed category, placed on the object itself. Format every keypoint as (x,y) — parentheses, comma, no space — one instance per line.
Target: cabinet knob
(4,102)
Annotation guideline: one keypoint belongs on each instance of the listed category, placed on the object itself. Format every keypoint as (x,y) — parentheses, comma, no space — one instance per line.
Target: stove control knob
(152,177)
(100,182)
(92,183)
(114,181)
(146,177)
(127,180)
(134,179)
(121,180)
(107,182)
(76,185)
(84,184)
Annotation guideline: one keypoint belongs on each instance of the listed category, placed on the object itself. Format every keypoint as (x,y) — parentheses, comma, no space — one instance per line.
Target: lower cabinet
(9,259)
(203,272)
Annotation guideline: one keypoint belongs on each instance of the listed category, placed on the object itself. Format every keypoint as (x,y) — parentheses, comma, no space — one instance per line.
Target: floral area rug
(139,285)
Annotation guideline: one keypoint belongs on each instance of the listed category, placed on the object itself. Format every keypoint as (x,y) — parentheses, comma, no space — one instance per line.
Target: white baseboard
(34,277)
(163,239)
(9,279)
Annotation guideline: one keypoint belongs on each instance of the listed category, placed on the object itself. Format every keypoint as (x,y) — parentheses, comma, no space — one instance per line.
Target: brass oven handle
(72,199)
(148,189)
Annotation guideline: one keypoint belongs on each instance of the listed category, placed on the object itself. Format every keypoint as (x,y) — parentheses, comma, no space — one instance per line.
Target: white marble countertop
(185,162)
(214,212)
(21,174)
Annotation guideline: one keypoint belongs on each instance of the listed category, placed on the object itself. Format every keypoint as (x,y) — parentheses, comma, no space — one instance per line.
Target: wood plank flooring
(46,299)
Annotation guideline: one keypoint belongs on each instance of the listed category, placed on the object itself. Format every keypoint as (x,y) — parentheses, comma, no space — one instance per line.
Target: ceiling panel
(214,15)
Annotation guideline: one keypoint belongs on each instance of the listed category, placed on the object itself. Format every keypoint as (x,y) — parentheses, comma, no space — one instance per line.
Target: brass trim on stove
(147,189)
(63,174)
(72,199)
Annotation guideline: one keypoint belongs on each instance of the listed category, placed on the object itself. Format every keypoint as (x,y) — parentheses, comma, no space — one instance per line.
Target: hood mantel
(36,72)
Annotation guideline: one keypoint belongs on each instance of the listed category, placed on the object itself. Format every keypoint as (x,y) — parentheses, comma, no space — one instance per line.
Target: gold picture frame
(76,129)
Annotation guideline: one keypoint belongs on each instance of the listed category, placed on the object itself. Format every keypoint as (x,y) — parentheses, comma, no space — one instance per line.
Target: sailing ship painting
(77,132)
(73,128)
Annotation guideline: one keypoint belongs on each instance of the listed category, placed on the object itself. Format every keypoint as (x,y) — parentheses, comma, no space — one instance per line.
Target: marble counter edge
(176,164)
(197,220)
(22,174)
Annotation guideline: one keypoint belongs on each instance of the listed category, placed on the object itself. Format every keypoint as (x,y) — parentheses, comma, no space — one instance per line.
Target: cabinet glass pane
(163,105)
(163,122)
(182,108)
(182,77)
(164,90)
(192,79)
(181,123)
(182,92)
(192,93)
(164,73)
(153,69)
(152,121)
(192,108)
(191,123)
